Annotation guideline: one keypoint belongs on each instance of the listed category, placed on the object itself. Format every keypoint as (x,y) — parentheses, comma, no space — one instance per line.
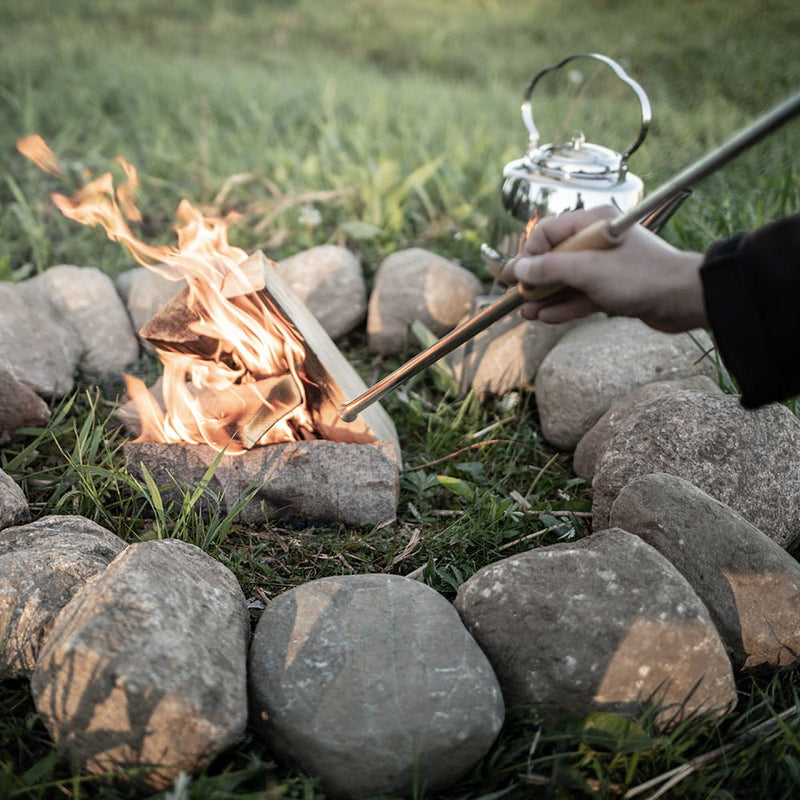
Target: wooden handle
(593,237)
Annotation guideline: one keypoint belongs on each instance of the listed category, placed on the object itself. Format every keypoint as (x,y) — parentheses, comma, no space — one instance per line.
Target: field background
(379,125)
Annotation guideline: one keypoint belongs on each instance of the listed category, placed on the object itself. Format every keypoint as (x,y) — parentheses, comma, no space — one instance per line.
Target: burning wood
(245,363)
(316,382)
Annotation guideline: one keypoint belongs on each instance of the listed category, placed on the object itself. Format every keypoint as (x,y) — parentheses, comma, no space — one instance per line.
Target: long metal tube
(609,234)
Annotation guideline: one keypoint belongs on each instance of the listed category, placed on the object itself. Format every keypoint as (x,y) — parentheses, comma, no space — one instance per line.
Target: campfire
(245,364)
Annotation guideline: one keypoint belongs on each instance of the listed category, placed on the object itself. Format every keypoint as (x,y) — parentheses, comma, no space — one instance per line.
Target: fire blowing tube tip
(347,414)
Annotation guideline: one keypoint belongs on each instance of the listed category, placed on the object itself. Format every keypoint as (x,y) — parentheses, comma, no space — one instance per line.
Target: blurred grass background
(379,124)
(404,112)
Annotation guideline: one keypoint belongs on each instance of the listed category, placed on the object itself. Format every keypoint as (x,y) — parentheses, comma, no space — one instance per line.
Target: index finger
(551,231)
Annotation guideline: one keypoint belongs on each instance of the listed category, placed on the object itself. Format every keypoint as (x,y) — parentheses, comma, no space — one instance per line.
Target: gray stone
(329,280)
(20,406)
(14,508)
(594,442)
(40,347)
(748,460)
(603,623)
(597,363)
(145,292)
(749,584)
(312,481)
(372,684)
(506,356)
(146,666)
(87,298)
(416,284)
(42,565)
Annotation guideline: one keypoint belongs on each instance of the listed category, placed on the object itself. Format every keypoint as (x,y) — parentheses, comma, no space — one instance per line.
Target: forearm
(751,286)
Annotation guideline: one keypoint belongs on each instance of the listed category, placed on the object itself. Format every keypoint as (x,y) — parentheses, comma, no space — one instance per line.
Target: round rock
(750,585)
(14,509)
(87,298)
(605,623)
(42,565)
(595,441)
(416,284)
(595,364)
(372,684)
(747,459)
(20,406)
(329,280)
(144,670)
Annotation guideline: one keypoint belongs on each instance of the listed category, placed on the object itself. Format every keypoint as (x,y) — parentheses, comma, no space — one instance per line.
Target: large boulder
(746,459)
(372,684)
(595,364)
(605,623)
(143,672)
(749,584)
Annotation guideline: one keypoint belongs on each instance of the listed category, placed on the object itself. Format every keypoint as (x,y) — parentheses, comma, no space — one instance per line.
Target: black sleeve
(752,294)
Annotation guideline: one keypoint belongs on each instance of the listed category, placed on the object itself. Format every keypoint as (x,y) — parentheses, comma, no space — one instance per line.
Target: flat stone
(14,509)
(750,585)
(605,623)
(87,298)
(595,441)
(144,670)
(415,284)
(310,481)
(595,364)
(373,685)
(330,281)
(20,406)
(746,459)
(42,565)
(38,345)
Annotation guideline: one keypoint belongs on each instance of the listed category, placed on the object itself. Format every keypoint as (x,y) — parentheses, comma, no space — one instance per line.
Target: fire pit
(251,382)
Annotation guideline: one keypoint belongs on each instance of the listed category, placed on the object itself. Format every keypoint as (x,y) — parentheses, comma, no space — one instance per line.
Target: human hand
(642,276)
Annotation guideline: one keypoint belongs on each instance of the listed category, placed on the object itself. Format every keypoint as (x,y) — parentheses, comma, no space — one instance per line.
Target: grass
(392,122)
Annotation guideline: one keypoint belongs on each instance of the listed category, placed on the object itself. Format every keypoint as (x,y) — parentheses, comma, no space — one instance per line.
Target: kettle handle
(527,111)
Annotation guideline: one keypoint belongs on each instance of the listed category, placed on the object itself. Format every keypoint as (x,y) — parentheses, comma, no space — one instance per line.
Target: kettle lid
(576,160)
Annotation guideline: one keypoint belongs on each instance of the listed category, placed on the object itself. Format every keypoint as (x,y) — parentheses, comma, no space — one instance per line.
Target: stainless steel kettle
(562,177)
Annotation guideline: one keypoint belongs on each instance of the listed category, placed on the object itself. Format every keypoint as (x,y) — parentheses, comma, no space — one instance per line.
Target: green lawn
(394,119)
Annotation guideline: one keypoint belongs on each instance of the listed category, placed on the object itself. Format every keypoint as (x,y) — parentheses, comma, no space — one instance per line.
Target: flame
(35,148)
(245,385)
